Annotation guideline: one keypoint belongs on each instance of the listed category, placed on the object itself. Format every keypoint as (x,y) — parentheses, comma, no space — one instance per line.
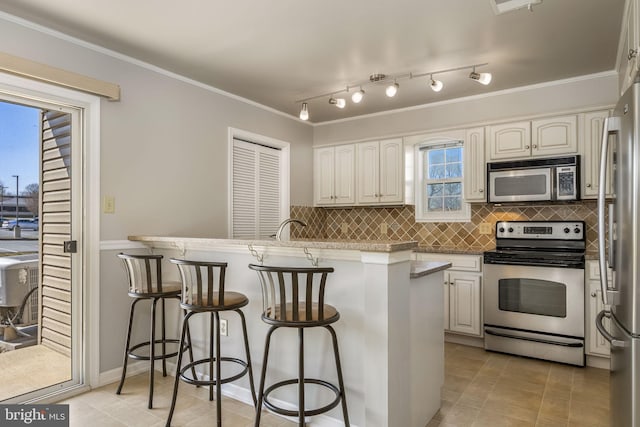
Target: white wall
(585,92)
(164,145)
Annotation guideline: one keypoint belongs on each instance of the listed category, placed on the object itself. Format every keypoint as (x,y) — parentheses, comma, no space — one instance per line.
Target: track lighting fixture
(483,78)
(392,88)
(436,85)
(338,102)
(304,112)
(357,96)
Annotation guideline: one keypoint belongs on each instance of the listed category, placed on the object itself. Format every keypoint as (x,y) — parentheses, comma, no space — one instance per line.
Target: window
(259,196)
(439,193)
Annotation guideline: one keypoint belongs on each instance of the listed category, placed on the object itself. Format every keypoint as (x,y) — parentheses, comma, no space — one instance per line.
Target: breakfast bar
(390,330)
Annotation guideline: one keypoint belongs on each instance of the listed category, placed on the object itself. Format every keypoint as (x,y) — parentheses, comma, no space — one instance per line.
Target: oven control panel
(556,230)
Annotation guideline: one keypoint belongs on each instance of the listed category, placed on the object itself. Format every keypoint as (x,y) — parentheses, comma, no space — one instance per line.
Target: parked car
(25,224)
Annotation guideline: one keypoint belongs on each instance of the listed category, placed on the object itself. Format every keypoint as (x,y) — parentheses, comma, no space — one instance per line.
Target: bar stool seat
(203,291)
(294,298)
(144,273)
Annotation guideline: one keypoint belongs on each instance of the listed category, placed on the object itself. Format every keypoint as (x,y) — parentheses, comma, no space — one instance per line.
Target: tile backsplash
(367,223)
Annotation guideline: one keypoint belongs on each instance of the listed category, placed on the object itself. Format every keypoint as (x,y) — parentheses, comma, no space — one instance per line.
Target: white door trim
(90,249)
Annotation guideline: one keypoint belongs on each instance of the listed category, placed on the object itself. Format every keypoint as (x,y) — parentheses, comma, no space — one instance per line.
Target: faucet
(284,223)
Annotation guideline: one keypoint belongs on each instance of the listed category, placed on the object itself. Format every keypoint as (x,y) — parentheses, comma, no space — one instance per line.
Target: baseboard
(464,340)
(599,362)
(133,368)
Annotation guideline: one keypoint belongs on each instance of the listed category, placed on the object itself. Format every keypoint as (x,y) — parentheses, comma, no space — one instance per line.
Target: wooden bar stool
(203,291)
(294,298)
(145,283)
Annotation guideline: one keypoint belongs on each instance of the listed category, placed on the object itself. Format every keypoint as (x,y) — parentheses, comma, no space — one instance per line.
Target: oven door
(520,185)
(539,299)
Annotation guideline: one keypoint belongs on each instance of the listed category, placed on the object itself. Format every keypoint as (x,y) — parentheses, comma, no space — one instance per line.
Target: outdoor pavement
(27,242)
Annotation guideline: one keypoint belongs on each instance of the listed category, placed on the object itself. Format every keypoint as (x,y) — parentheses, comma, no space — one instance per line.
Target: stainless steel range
(534,290)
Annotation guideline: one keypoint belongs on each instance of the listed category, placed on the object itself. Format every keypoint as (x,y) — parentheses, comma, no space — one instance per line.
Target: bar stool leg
(185,328)
(152,345)
(126,346)
(263,375)
(164,342)
(343,395)
(248,355)
(301,377)
(211,344)
(189,347)
(218,373)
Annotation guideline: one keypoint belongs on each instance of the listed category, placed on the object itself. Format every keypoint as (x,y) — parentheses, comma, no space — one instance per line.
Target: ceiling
(281,51)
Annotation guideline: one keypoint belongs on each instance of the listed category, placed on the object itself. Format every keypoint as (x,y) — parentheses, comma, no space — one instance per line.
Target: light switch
(109,205)
(383,228)
(345,228)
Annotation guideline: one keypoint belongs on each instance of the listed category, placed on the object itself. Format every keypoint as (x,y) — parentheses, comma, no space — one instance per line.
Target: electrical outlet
(345,228)
(383,228)
(485,228)
(109,204)
(223,328)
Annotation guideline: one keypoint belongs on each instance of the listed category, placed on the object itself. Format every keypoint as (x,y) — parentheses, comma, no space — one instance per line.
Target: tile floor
(481,389)
(484,389)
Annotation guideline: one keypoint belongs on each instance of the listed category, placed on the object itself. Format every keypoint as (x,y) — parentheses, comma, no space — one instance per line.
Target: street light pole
(16,229)
(1,201)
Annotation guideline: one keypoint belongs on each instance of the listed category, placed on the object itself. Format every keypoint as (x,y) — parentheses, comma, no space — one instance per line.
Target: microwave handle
(611,125)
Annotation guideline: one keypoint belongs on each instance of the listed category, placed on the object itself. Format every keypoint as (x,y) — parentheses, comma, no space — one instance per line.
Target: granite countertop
(471,250)
(358,245)
(423,268)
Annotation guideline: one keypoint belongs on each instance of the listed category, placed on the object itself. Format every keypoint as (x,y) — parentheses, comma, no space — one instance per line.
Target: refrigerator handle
(607,336)
(610,126)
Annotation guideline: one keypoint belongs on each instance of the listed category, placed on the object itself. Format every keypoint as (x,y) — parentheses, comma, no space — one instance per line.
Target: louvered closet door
(55,223)
(256,190)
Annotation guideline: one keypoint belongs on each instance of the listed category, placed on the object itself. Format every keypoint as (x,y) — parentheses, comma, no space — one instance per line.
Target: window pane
(434,204)
(452,203)
(435,190)
(453,189)
(454,170)
(437,172)
(436,156)
(454,154)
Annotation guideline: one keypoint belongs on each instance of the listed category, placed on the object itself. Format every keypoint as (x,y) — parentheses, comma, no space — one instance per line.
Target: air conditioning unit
(503,6)
(19,275)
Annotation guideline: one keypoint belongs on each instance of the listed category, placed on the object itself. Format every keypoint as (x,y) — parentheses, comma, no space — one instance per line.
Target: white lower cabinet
(462,292)
(596,344)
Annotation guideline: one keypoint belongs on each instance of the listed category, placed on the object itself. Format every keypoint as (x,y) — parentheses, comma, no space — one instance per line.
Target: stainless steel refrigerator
(619,217)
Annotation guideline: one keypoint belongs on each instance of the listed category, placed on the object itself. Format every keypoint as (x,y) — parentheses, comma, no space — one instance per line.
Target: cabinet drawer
(593,271)
(458,262)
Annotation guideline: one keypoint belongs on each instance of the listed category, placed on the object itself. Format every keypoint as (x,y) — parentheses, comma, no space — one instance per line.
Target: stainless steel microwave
(554,179)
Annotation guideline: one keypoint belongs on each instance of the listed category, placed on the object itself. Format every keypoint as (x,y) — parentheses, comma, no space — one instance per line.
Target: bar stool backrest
(202,283)
(294,295)
(144,272)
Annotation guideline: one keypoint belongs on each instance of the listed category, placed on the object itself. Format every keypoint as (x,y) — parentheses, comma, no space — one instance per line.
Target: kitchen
(142,129)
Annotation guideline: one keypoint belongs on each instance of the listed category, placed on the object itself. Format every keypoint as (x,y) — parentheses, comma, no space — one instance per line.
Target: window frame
(421,214)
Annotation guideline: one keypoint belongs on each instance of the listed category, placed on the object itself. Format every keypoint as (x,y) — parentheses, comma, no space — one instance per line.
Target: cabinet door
(391,177)
(556,135)
(509,141)
(344,174)
(465,303)
(475,170)
(323,176)
(446,301)
(593,124)
(368,172)
(596,344)
(629,53)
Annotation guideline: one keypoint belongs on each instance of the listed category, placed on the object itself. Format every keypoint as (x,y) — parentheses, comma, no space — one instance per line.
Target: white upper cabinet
(536,138)
(334,175)
(380,166)
(629,63)
(475,171)
(591,154)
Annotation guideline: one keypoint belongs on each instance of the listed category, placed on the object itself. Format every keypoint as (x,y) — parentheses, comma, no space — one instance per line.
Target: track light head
(357,96)
(483,78)
(338,102)
(304,112)
(436,85)
(392,90)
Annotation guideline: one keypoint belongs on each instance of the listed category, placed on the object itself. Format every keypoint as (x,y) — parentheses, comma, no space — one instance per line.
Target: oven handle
(563,344)
(607,336)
